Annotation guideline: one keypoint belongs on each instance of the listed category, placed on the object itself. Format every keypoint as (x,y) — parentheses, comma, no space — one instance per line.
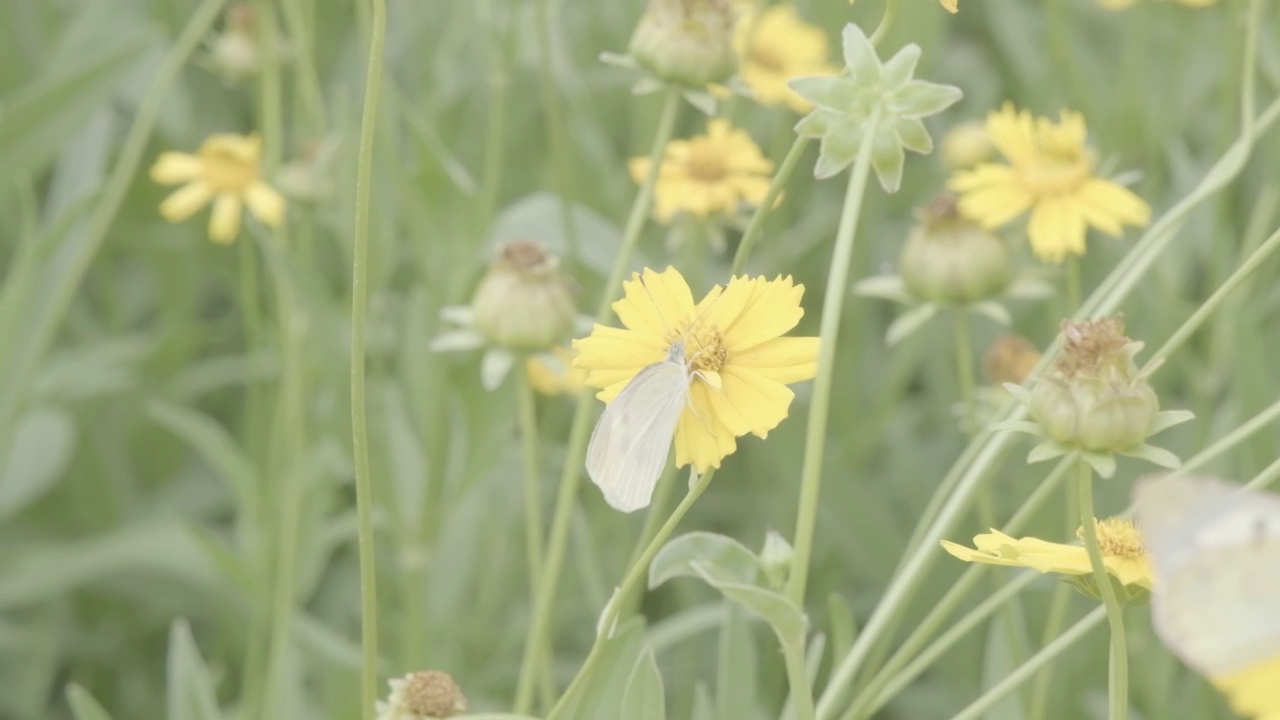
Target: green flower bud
(523,303)
(775,558)
(234,52)
(686,42)
(949,259)
(1094,397)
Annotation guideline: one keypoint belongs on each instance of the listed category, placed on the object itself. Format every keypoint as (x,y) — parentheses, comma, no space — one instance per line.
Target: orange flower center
(766,59)
(1118,537)
(1057,171)
(706,164)
(227,168)
(703,347)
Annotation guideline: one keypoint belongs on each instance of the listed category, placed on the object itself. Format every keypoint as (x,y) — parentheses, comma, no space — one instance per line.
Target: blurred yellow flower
(775,46)
(950,5)
(553,373)
(708,174)
(740,363)
(225,170)
(1120,541)
(1255,691)
(965,145)
(1051,174)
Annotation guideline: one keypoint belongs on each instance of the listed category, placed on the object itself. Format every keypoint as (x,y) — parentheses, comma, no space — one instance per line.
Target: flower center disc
(706,165)
(704,349)
(1056,173)
(226,169)
(1119,537)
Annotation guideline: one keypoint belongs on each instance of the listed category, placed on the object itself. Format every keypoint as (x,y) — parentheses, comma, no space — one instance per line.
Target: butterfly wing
(1216,550)
(630,445)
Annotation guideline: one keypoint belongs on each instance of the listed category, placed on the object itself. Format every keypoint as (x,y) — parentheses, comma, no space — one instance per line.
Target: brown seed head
(433,694)
(1089,345)
(1011,358)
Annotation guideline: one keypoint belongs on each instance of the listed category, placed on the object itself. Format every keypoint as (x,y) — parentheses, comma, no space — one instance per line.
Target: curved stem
(538,643)
(359,422)
(639,569)
(832,307)
(527,418)
(754,227)
(886,22)
(1118,675)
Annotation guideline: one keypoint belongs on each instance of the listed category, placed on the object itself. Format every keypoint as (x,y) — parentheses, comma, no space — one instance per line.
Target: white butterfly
(631,443)
(1216,551)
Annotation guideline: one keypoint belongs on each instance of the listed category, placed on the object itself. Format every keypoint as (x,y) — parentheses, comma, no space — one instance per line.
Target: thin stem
(798,679)
(756,225)
(271,115)
(1073,283)
(1118,675)
(311,96)
(70,271)
(538,643)
(978,708)
(832,307)
(497,115)
(557,127)
(637,573)
(1057,617)
(886,22)
(964,369)
(526,413)
(359,422)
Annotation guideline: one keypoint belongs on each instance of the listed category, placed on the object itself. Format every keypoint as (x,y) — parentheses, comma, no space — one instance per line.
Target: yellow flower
(708,174)
(554,373)
(1255,691)
(226,172)
(965,145)
(741,366)
(1120,541)
(775,46)
(950,5)
(1051,174)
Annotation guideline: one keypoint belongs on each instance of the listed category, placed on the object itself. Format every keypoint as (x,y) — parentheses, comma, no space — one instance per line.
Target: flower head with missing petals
(871,102)
(1120,541)
(1050,173)
(224,171)
(740,363)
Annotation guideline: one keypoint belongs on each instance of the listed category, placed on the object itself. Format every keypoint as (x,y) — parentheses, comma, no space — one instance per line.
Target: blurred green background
(147,426)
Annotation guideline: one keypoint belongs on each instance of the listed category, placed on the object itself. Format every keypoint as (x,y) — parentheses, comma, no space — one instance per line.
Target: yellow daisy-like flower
(740,365)
(1050,173)
(1123,553)
(224,171)
(1255,691)
(775,46)
(707,174)
(553,373)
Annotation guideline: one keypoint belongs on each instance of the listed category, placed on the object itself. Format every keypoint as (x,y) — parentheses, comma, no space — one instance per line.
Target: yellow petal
(950,5)
(1104,196)
(655,303)
(186,201)
(1055,230)
(224,221)
(754,310)
(785,359)
(701,439)
(1255,691)
(762,402)
(265,203)
(172,168)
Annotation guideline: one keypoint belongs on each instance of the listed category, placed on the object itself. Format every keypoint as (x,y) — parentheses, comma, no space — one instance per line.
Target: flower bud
(428,694)
(965,145)
(687,42)
(234,52)
(775,558)
(1094,396)
(950,259)
(1011,358)
(523,303)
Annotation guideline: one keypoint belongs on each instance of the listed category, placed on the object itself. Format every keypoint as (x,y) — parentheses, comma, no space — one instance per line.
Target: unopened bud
(523,303)
(775,557)
(427,695)
(687,42)
(950,259)
(1094,397)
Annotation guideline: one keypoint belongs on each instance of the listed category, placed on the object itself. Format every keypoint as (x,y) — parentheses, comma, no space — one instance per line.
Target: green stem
(270,112)
(798,679)
(978,708)
(886,22)
(359,422)
(1073,284)
(310,94)
(497,114)
(832,307)
(1057,617)
(661,497)
(756,225)
(538,643)
(71,270)
(526,413)
(557,128)
(1118,675)
(638,571)
(964,370)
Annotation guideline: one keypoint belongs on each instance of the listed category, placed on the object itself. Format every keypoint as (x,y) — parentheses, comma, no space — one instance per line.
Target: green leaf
(602,693)
(212,443)
(83,705)
(787,620)
(1047,450)
(541,216)
(730,558)
(36,458)
(190,686)
(644,698)
(844,627)
(885,287)
(736,679)
(909,322)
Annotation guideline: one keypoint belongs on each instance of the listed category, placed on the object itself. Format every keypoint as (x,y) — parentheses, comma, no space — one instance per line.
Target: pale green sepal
(908,322)
(913,135)
(494,367)
(1169,418)
(860,55)
(918,99)
(1021,393)
(644,698)
(1153,454)
(704,101)
(885,287)
(1021,426)
(828,92)
(900,68)
(1102,463)
(1029,287)
(888,157)
(458,314)
(994,311)
(1047,450)
(457,341)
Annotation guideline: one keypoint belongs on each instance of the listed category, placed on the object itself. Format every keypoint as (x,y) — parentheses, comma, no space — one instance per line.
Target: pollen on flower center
(1118,537)
(1056,174)
(704,348)
(226,169)
(767,58)
(706,164)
